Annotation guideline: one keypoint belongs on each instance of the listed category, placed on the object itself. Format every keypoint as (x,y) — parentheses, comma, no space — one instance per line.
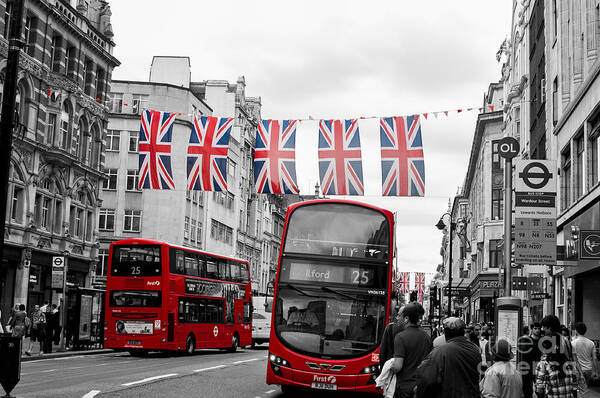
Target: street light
(441,225)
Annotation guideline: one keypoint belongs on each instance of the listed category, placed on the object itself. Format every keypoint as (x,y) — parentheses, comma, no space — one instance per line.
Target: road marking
(211,368)
(247,360)
(91,394)
(149,379)
(46,371)
(270,391)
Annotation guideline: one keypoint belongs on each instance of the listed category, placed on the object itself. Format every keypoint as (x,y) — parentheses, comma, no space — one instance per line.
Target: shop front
(8,274)
(484,290)
(582,268)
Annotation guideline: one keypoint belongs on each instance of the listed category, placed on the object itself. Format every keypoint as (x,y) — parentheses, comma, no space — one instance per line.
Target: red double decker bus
(332,296)
(166,297)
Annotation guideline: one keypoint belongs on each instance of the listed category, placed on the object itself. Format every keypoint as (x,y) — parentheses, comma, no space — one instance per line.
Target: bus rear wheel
(235,343)
(190,345)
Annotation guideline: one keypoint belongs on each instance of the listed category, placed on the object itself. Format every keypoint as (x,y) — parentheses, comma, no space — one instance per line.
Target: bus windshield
(328,322)
(136,260)
(344,230)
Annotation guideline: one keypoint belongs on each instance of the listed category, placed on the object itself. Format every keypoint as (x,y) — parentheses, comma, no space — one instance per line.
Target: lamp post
(441,225)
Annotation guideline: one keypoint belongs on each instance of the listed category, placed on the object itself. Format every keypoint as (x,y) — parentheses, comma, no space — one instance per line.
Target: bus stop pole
(507,226)
(63,306)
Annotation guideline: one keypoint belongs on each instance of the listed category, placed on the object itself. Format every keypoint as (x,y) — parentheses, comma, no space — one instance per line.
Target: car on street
(261,319)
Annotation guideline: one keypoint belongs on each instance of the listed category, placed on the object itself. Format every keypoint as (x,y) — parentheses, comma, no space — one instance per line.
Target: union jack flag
(275,157)
(402,162)
(155,150)
(404,281)
(207,154)
(340,162)
(420,283)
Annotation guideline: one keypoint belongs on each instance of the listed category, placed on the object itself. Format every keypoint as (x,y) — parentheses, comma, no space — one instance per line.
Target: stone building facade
(57,161)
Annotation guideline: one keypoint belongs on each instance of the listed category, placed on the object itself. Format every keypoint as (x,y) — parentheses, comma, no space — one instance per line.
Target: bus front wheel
(190,345)
(235,342)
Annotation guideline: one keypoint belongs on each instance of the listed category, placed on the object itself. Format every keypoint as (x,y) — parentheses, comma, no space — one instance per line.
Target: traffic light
(433,296)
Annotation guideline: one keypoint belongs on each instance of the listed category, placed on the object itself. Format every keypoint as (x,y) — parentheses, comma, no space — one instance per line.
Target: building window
(565,178)
(50,128)
(518,123)
(102,262)
(117,103)
(555,101)
(496,160)
(88,76)
(199,232)
(132,180)
(132,221)
(554,20)
(76,221)
(231,166)
(70,61)
(65,117)
(193,230)
(55,47)
(579,177)
(110,183)
(221,232)
(134,136)
(497,204)
(16,207)
(495,254)
(113,140)
(100,83)
(186,228)
(30,27)
(593,165)
(106,220)
(137,103)
(7,19)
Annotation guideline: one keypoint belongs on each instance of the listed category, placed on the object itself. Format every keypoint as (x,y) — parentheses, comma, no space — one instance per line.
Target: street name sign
(535,212)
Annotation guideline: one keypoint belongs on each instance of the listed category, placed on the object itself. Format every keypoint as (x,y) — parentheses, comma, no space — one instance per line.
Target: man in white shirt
(585,351)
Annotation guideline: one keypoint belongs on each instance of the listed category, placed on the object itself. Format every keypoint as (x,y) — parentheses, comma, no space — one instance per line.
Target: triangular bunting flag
(425,116)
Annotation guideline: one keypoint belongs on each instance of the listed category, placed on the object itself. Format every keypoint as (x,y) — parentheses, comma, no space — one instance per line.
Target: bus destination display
(351,275)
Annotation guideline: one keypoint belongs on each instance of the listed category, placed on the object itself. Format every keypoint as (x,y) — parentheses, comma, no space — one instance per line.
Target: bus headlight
(277,363)
(373,369)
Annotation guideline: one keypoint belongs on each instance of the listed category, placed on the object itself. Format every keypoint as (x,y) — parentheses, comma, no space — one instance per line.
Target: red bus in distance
(166,297)
(332,296)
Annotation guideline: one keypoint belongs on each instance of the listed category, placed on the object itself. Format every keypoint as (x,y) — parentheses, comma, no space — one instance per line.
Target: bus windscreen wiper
(328,289)
(302,292)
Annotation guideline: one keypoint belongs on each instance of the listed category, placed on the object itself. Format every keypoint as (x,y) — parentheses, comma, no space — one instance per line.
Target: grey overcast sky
(341,59)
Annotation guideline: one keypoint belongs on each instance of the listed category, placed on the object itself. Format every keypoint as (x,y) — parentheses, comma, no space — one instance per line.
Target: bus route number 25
(360,277)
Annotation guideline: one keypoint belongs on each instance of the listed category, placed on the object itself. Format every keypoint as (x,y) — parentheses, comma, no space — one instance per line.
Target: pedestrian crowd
(467,361)
(41,325)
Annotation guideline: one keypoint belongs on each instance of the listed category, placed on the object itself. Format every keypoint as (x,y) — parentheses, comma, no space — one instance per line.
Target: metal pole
(450,270)
(507,225)
(15,44)
(63,306)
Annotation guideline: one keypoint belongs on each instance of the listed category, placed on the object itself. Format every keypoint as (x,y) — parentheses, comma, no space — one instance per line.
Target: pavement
(35,351)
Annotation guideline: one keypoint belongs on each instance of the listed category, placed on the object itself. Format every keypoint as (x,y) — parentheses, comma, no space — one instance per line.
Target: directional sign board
(58,268)
(535,212)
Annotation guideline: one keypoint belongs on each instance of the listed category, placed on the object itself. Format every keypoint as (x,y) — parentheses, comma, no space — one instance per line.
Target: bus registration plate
(324,386)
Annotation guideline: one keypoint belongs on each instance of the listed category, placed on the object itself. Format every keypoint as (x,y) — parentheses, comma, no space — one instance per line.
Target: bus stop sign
(508,147)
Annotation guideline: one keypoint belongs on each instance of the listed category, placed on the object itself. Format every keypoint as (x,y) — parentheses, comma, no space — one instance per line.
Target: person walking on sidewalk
(555,374)
(502,380)
(451,370)
(48,328)
(38,324)
(411,346)
(585,352)
(387,342)
(529,347)
(55,322)
(18,322)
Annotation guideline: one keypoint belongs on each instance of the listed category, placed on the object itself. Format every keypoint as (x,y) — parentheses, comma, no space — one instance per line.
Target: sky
(341,60)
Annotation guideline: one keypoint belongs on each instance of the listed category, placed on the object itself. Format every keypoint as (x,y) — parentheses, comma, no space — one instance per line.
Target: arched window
(48,211)
(83,135)
(82,216)
(16,195)
(94,149)
(22,102)
(64,132)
